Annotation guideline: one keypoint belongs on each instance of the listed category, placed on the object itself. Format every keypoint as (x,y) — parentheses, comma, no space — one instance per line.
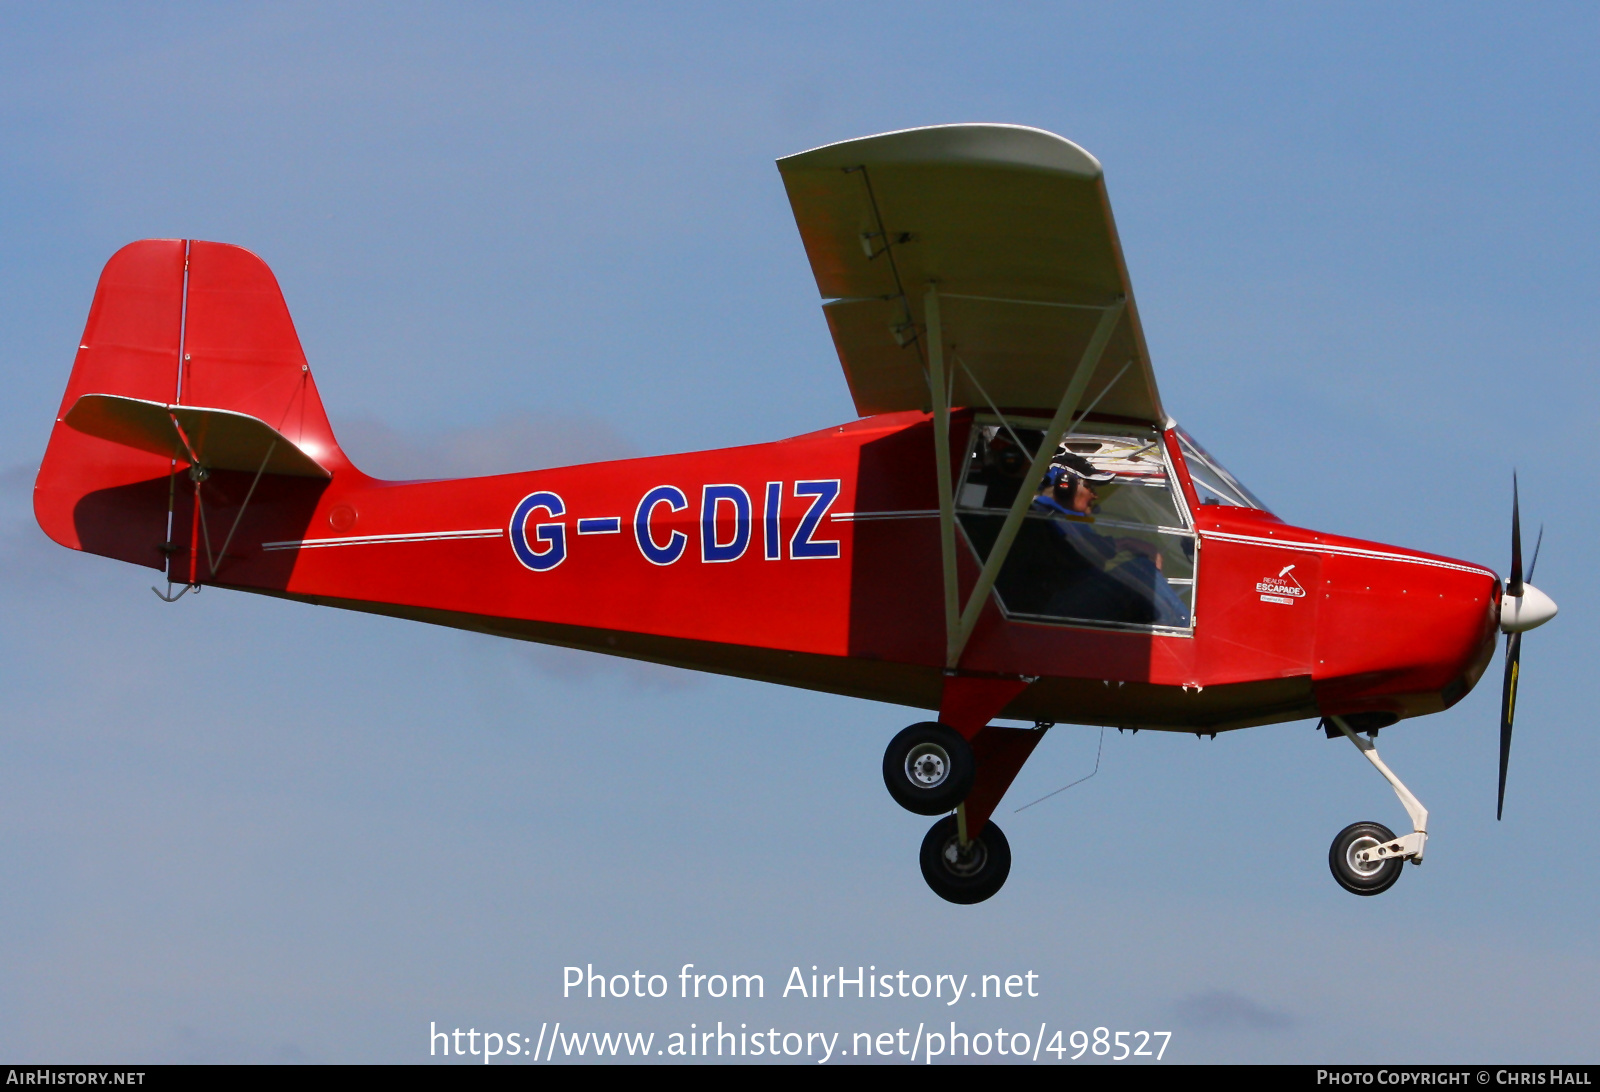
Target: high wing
(1012,229)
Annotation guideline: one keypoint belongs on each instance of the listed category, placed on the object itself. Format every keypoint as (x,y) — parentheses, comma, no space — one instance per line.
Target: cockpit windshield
(1212,480)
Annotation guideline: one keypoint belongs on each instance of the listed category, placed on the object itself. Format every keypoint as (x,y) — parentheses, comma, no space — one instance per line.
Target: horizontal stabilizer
(220,439)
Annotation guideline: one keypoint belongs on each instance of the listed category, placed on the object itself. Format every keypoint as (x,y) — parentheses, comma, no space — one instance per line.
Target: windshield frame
(1194,456)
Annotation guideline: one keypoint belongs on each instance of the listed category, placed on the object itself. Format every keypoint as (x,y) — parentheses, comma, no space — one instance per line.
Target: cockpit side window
(1106,539)
(1213,483)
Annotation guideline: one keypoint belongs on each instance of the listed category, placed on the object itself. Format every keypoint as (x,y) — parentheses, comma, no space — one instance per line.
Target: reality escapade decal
(727,522)
(1283,588)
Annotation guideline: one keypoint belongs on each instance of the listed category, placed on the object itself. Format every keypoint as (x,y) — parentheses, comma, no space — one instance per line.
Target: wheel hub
(1353,860)
(927,765)
(968,862)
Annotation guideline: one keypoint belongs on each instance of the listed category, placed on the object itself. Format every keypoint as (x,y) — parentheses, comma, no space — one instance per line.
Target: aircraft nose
(1532,608)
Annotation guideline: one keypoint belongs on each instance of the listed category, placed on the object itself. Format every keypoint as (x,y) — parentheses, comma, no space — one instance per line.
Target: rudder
(177,322)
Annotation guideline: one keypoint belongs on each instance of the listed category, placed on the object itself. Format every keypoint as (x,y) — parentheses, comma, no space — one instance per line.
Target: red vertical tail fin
(175,322)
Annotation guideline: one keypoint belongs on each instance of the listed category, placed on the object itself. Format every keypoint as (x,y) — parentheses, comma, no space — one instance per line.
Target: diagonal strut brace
(961,621)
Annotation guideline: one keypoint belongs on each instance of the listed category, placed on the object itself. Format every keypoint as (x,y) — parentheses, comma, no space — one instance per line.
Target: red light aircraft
(1013,529)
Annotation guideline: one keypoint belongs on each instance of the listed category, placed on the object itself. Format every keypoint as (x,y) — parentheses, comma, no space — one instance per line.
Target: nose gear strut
(1366,857)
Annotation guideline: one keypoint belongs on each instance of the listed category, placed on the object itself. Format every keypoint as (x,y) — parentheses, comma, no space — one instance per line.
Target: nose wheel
(928,768)
(965,873)
(1350,858)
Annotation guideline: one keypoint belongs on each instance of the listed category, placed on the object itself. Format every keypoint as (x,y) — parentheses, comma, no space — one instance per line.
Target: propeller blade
(1508,708)
(1514,584)
(1534,564)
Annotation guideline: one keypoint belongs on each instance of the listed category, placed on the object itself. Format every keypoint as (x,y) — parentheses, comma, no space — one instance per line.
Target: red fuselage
(814,562)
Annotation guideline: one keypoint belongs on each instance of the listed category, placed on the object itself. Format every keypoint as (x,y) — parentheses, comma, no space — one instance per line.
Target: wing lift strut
(961,620)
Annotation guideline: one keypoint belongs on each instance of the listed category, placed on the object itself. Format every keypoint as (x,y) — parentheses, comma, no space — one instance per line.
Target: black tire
(928,768)
(1358,878)
(969,877)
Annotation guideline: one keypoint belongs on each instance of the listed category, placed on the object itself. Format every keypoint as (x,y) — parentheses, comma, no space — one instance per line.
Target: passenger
(1004,468)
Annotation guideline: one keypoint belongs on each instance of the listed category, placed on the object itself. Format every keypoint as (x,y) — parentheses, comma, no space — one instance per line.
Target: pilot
(1098,576)
(1069,484)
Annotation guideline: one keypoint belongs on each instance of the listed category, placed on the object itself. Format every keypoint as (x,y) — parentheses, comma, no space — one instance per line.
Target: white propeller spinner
(1520,613)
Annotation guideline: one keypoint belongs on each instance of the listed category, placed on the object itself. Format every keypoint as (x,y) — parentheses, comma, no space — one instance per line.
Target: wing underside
(1011,228)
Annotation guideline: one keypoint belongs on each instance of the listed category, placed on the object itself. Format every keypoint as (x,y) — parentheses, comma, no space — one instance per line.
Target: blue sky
(1362,240)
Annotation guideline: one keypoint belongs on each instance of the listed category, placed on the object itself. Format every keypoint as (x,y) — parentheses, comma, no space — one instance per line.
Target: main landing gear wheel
(969,875)
(1363,877)
(928,768)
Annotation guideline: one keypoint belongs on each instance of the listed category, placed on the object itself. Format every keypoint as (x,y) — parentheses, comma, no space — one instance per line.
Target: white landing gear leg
(1366,858)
